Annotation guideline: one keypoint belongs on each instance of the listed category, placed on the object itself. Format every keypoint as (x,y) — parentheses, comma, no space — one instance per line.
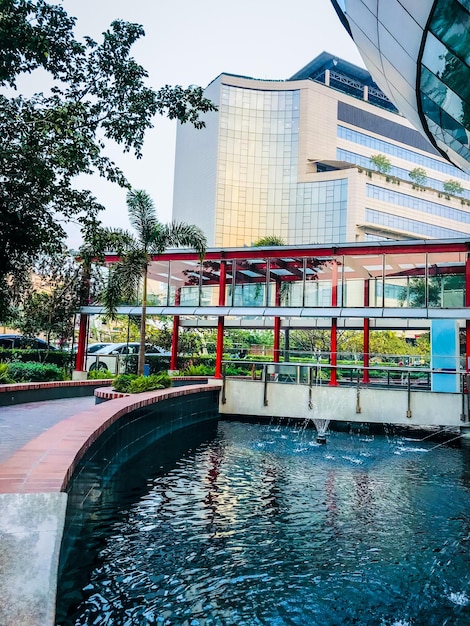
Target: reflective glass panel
(446,280)
(405,279)
(250,287)
(157,286)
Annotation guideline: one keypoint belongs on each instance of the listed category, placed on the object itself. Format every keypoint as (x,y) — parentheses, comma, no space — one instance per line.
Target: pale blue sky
(189,42)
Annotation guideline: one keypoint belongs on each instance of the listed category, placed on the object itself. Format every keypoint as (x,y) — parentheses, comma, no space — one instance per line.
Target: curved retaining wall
(32,484)
(18,393)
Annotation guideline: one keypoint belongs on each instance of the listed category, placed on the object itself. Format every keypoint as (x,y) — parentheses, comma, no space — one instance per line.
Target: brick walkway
(44,464)
(22,422)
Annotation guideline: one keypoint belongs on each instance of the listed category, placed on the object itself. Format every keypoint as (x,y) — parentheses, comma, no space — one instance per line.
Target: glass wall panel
(446,280)
(185,279)
(318,281)
(250,287)
(405,280)
(286,282)
(210,276)
(157,286)
(355,277)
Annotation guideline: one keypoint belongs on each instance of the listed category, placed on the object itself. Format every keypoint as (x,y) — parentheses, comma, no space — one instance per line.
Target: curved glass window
(445,75)
(451,24)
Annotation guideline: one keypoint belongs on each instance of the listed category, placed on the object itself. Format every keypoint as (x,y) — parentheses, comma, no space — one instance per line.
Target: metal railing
(411,379)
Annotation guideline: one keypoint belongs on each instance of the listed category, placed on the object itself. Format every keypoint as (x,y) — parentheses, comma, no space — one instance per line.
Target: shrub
(122,382)
(130,383)
(4,378)
(198,370)
(99,374)
(34,372)
(453,187)
(54,357)
(150,383)
(381,163)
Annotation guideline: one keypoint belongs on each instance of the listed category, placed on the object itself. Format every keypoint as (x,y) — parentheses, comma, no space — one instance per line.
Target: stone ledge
(19,393)
(54,384)
(31,528)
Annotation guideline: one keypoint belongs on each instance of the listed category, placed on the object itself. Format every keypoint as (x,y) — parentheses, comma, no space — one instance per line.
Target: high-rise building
(419,54)
(293,158)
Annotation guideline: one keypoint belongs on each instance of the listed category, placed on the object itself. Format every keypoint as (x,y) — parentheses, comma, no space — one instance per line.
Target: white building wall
(194,191)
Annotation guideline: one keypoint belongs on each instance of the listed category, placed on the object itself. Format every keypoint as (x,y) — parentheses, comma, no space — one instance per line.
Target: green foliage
(150,383)
(5,379)
(381,163)
(189,341)
(100,374)
(153,238)
(122,382)
(34,372)
(453,187)
(98,96)
(418,175)
(53,357)
(269,240)
(198,370)
(130,383)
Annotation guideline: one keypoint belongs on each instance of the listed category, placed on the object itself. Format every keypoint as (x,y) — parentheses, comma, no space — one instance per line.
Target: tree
(97,94)
(49,302)
(418,175)
(381,163)
(269,240)
(453,187)
(153,238)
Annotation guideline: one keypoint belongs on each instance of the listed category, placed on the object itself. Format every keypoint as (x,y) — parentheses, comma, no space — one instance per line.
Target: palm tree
(153,238)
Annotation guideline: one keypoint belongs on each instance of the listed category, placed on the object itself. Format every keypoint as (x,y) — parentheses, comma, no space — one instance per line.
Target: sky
(191,43)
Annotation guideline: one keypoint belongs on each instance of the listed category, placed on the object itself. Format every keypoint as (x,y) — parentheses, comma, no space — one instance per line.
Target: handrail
(305,373)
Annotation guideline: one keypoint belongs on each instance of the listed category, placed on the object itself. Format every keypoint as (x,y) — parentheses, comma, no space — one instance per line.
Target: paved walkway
(22,422)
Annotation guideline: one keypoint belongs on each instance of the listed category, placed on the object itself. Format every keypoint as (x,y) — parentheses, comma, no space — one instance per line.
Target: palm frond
(124,280)
(142,214)
(179,234)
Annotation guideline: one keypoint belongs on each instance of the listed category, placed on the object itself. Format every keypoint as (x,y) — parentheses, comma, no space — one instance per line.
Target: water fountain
(321,425)
(244,526)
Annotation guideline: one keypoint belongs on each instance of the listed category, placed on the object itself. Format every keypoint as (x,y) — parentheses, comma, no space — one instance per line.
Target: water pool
(246,524)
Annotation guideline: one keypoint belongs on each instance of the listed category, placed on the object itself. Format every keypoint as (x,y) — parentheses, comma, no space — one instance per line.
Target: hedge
(53,357)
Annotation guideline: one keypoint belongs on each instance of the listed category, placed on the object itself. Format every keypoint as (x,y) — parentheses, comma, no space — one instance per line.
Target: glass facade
(398,172)
(402,153)
(257,165)
(445,75)
(418,204)
(403,224)
(257,189)
(403,279)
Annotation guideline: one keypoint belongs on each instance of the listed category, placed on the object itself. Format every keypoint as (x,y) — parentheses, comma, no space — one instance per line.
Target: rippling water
(260,525)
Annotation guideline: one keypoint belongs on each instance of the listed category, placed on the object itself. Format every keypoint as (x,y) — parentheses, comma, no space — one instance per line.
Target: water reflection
(257,524)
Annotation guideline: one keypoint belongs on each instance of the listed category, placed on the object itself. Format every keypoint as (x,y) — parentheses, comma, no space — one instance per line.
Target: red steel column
(220,322)
(467,304)
(366,348)
(334,326)
(175,336)
(277,325)
(81,346)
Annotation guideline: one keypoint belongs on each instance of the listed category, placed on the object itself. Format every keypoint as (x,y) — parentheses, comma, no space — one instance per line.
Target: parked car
(27,343)
(112,357)
(94,347)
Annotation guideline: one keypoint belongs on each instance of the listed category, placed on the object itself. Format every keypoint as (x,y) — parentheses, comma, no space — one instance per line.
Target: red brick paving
(46,463)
